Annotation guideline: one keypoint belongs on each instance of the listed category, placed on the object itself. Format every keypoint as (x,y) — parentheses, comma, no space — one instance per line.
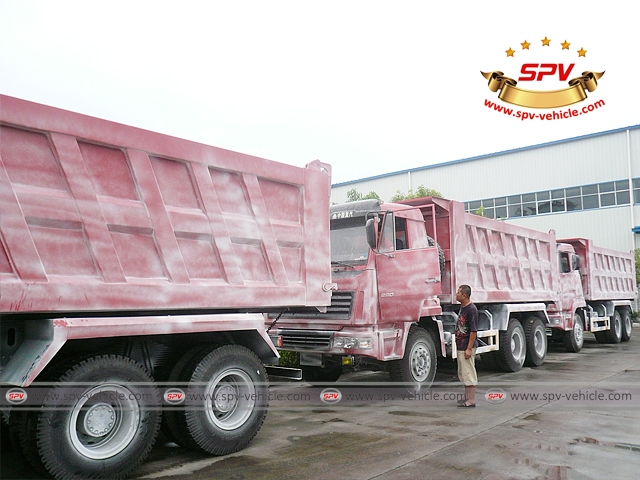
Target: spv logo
(331,395)
(495,396)
(545,68)
(16,396)
(174,396)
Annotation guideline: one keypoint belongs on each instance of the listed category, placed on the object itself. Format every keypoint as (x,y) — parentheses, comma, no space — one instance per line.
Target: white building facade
(585,186)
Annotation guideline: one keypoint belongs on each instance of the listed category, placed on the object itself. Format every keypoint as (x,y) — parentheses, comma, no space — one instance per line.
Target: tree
(637,252)
(354,195)
(420,192)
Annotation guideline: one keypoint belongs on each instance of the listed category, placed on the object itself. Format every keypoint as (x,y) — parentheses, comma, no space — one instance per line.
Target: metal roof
(488,155)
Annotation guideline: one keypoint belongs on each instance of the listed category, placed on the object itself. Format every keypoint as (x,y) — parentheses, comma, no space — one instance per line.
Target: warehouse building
(586,186)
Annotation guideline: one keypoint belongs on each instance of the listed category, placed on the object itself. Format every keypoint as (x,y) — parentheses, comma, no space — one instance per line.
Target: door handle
(432,280)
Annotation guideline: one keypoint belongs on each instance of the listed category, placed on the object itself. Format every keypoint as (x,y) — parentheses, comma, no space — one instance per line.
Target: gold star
(525,45)
(565,45)
(582,52)
(545,42)
(510,52)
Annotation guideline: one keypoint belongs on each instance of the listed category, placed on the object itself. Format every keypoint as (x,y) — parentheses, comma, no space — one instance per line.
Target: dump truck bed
(606,274)
(501,262)
(99,216)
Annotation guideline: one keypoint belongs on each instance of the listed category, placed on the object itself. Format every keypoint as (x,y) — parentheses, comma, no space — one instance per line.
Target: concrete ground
(584,424)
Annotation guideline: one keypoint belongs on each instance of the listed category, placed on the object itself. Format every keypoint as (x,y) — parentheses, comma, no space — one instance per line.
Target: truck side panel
(606,274)
(501,262)
(98,216)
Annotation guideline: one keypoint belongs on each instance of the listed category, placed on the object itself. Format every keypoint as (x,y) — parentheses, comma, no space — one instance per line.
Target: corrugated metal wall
(574,162)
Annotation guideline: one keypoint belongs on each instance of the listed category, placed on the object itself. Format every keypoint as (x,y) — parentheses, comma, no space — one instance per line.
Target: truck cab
(387,276)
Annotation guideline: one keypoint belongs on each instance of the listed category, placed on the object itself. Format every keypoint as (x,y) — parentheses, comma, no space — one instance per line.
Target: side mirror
(371,233)
(575,262)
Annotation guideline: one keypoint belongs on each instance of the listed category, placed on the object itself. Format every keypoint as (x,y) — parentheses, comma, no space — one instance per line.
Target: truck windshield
(348,241)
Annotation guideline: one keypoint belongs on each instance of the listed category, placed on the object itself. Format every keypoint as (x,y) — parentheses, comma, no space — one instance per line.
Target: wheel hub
(99,420)
(226,398)
(420,362)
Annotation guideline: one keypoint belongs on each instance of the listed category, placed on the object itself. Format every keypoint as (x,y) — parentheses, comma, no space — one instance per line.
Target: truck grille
(340,308)
(304,339)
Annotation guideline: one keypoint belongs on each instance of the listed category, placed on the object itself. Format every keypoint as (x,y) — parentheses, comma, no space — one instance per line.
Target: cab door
(405,276)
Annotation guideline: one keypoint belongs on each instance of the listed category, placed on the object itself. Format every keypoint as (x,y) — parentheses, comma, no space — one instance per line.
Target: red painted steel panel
(501,262)
(606,274)
(96,216)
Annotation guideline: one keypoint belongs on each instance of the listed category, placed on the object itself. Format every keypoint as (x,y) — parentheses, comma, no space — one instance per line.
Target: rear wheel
(574,339)
(536,337)
(108,427)
(512,351)
(227,400)
(601,337)
(627,328)
(614,334)
(417,369)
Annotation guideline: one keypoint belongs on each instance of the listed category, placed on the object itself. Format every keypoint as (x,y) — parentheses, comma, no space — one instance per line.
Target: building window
(572,199)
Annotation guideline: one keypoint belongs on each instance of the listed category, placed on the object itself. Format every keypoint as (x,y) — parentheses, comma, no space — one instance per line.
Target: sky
(369,87)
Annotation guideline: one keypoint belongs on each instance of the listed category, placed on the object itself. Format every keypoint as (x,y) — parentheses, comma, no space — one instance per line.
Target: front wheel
(627,328)
(574,339)
(107,423)
(512,351)
(536,337)
(417,369)
(227,399)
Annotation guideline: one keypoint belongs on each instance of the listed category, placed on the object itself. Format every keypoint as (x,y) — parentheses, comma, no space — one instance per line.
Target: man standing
(466,343)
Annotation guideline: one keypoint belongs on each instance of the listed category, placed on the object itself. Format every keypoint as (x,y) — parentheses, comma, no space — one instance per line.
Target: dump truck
(136,270)
(397,267)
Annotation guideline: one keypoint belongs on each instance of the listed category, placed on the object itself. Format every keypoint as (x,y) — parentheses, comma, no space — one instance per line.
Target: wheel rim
(420,362)
(539,342)
(627,325)
(517,346)
(104,421)
(618,326)
(578,332)
(230,399)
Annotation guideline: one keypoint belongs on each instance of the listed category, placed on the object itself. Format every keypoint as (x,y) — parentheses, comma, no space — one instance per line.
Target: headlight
(352,342)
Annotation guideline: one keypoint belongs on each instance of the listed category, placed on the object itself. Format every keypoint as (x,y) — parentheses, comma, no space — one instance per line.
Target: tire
(314,375)
(614,334)
(417,369)
(441,258)
(489,360)
(174,423)
(601,337)
(574,339)
(513,349)
(536,338)
(122,396)
(627,327)
(227,399)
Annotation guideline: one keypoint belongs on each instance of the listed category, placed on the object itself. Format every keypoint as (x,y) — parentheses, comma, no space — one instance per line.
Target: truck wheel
(614,334)
(627,328)
(174,424)
(227,399)
(601,337)
(574,339)
(536,337)
(315,375)
(107,428)
(513,349)
(417,369)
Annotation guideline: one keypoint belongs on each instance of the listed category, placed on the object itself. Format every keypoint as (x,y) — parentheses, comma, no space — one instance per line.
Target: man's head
(463,294)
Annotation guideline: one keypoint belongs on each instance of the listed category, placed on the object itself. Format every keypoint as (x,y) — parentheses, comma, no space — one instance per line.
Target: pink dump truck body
(136,270)
(606,274)
(501,262)
(98,216)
